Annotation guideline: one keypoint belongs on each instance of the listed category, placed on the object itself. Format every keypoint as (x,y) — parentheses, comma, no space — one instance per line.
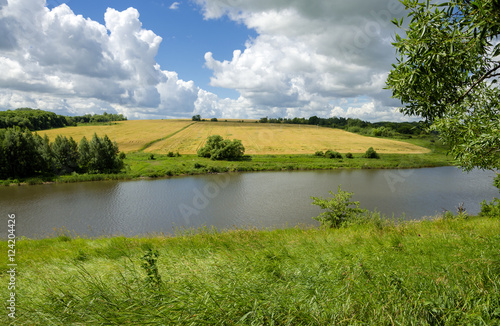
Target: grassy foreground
(442,272)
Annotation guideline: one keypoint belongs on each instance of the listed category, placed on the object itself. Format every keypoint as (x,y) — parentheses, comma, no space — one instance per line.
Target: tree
(446,73)
(19,156)
(371,153)
(65,153)
(196,117)
(218,148)
(104,156)
(84,155)
(338,208)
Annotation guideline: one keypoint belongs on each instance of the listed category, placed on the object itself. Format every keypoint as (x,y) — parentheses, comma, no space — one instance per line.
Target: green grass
(442,272)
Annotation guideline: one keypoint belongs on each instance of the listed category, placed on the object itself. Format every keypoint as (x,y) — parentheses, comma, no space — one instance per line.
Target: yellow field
(256,137)
(280,139)
(130,135)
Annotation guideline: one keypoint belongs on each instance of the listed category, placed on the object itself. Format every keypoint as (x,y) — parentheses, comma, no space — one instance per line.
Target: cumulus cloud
(310,54)
(325,57)
(61,61)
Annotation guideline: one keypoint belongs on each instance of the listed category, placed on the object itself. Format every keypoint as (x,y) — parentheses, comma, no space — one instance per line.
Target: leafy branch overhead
(446,72)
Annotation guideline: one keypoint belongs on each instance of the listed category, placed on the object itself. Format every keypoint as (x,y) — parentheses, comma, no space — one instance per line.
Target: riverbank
(440,272)
(149,165)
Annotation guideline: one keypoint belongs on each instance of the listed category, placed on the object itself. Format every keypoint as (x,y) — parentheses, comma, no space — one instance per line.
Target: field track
(163,136)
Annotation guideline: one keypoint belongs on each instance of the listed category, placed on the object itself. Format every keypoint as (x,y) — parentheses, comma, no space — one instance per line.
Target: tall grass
(442,272)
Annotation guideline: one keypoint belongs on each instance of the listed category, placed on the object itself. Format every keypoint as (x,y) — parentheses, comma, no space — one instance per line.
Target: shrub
(152,157)
(332,154)
(491,209)
(371,153)
(319,153)
(170,154)
(213,119)
(217,148)
(348,155)
(198,166)
(338,210)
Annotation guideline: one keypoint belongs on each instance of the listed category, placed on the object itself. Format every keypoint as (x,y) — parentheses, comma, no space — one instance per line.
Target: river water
(263,200)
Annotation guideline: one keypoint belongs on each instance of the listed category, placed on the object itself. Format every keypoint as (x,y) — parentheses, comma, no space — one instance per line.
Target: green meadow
(372,272)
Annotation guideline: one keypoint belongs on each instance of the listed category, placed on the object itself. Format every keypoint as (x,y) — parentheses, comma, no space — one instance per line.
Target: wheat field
(130,135)
(257,138)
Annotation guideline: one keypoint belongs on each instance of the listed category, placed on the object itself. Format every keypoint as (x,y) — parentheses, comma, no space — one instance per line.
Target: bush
(152,157)
(319,153)
(371,153)
(213,119)
(338,210)
(348,155)
(217,148)
(332,154)
(170,154)
(490,209)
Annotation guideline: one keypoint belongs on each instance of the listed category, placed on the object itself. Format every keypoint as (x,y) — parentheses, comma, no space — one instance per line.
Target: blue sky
(217,58)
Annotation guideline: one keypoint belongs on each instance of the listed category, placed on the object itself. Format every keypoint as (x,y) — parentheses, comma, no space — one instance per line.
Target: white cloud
(309,54)
(174,6)
(309,58)
(54,59)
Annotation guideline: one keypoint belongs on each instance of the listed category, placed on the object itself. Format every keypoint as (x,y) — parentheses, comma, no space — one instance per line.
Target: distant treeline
(356,125)
(33,120)
(24,154)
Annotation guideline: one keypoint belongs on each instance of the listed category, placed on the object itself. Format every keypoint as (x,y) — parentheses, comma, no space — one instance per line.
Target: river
(262,200)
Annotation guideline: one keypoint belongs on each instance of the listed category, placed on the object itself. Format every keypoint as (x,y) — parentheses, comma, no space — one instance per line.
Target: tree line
(26,154)
(355,125)
(34,120)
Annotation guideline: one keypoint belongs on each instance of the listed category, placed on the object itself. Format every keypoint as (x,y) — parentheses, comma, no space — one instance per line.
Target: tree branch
(483,77)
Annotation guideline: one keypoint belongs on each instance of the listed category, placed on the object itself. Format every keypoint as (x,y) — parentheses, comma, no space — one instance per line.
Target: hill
(186,137)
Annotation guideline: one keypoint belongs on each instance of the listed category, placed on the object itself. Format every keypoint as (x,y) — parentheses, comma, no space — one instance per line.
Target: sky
(154,59)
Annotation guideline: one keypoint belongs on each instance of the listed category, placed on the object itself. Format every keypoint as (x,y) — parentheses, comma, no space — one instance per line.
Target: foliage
(338,210)
(213,119)
(33,119)
(99,118)
(447,70)
(491,209)
(42,120)
(196,117)
(65,153)
(217,148)
(386,129)
(104,155)
(332,154)
(349,155)
(371,153)
(150,265)
(19,154)
(319,153)
(24,154)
